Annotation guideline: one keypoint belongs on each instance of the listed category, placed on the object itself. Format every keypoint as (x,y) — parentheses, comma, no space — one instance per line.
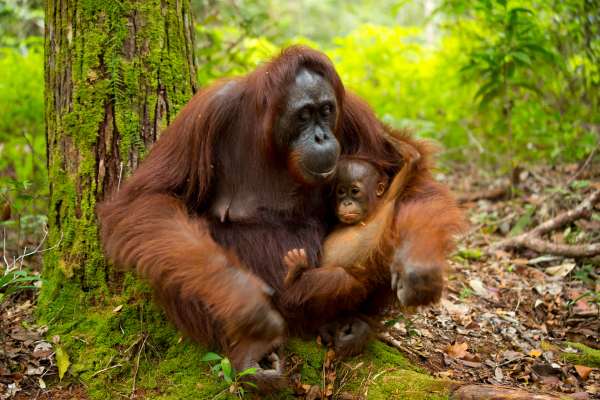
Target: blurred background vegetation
(497,83)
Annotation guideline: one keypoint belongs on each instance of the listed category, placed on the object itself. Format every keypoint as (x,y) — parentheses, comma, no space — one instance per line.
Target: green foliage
(9,283)
(22,145)
(230,375)
(27,204)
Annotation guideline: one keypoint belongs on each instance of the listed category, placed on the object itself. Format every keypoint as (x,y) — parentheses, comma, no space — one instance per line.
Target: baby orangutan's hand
(297,263)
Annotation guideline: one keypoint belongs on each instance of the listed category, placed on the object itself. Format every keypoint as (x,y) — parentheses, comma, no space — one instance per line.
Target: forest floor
(508,318)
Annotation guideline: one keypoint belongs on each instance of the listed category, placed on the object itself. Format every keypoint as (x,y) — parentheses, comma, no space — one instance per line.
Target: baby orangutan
(357,254)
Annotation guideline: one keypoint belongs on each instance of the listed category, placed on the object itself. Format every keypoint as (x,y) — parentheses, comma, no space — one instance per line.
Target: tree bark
(116,75)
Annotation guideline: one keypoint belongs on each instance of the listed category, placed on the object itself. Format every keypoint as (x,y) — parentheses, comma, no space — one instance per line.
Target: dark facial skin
(304,128)
(358,189)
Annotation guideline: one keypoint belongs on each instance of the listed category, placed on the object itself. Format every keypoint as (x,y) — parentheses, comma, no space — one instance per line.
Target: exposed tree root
(533,239)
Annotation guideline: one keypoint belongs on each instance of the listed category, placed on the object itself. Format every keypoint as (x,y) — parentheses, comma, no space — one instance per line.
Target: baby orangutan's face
(358,189)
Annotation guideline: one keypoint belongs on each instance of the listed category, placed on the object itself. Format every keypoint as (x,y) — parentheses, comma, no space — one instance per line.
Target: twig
(509,361)
(584,165)
(106,369)
(220,394)
(472,138)
(80,381)
(137,367)
(394,343)
(383,372)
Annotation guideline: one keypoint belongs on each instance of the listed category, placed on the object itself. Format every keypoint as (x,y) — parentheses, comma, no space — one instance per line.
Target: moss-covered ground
(585,356)
(105,347)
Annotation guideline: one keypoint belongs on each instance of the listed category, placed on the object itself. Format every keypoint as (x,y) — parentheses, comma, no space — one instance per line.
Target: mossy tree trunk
(116,75)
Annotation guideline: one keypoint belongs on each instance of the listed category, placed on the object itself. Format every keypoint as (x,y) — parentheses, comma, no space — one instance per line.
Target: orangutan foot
(349,335)
(297,263)
(267,359)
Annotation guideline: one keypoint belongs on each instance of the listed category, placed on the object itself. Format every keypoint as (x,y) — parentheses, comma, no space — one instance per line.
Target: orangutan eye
(326,110)
(355,191)
(341,191)
(304,115)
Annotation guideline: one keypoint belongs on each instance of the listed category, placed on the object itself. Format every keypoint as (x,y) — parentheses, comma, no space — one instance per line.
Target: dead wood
(488,392)
(484,194)
(533,239)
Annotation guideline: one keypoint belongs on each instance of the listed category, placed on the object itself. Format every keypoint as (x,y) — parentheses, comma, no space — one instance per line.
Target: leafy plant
(24,200)
(230,375)
(510,47)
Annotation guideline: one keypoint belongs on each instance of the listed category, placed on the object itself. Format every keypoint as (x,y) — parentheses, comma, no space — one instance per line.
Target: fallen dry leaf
(457,350)
(583,372)
(535,353)
(319,341)
(511,355)
(301,389)
(478,288)
(447,375)
(313,393)
(560,270)
(329,390)
(118,308)
(331,377)
(26,335)
(329,358)
(498,374)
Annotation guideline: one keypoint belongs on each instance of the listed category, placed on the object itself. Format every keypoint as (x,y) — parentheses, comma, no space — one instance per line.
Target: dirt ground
(509,316)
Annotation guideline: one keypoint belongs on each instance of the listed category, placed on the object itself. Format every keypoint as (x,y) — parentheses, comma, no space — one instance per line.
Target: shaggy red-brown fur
(209,273)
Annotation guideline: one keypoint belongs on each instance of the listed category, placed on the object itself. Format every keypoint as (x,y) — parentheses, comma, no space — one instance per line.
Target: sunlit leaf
(489,96)
(62,360)
(523,221)
(226,367)
(521,57)
(211,357)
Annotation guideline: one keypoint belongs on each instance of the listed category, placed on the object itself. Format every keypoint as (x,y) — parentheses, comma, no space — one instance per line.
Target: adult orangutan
(240,178)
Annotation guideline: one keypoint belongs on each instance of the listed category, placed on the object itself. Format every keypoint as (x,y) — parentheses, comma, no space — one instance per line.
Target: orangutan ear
(380,189)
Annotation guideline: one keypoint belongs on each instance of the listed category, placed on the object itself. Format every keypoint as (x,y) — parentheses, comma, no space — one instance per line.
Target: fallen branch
(533,239)
(484,194)
(481,392)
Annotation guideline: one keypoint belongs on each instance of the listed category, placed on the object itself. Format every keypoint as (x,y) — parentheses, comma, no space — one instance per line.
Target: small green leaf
(519,55)
(62,360)
(486,88)
(246,372)
(226,368)
(392,322)
(529,87)
(251,384)
(472,254)
(489,96)
(580,184)
(216,368)
(227,378)
(521,223)
(13,289)
(211,357)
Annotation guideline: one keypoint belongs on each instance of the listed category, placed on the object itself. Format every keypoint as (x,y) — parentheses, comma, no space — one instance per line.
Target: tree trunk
(116,75)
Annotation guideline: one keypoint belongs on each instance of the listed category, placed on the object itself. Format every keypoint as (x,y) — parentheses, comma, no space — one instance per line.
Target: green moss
(409,385)
(586,356)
